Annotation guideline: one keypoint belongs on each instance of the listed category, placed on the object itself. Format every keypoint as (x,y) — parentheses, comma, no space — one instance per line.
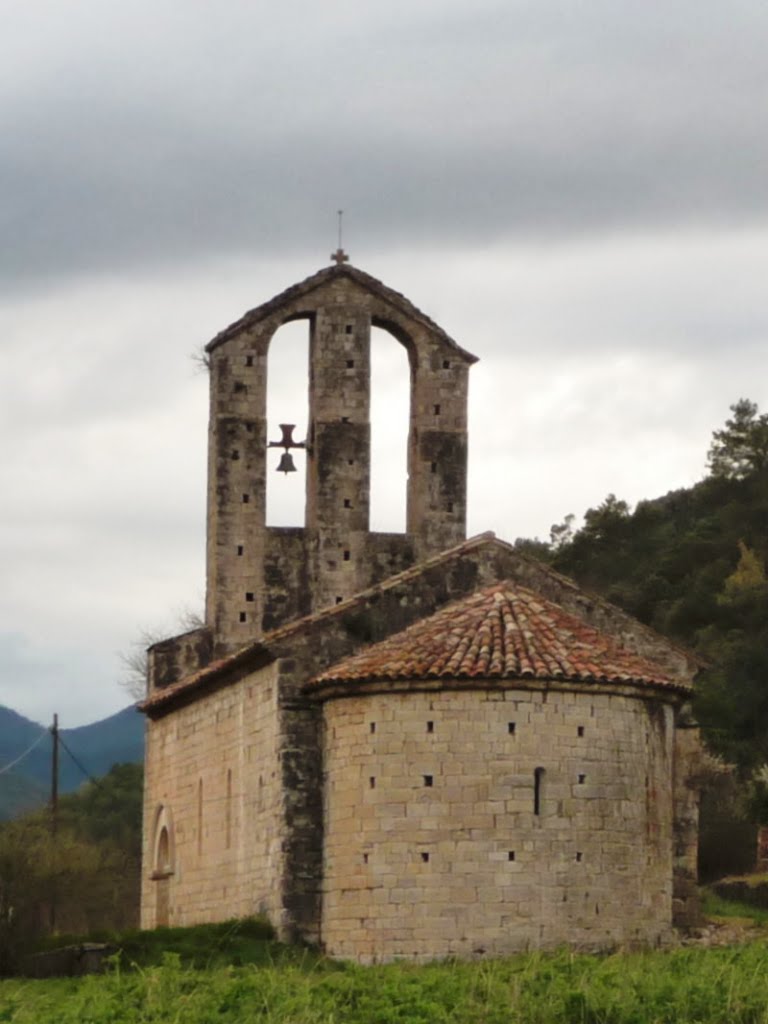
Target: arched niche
(163,844)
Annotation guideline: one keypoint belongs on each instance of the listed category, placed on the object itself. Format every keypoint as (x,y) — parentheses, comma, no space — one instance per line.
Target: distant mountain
(114,740)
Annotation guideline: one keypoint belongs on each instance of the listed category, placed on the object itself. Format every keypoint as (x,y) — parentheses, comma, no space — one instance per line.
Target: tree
(747,578)
(741,447)
(135,662)
(561,534)
(603,522)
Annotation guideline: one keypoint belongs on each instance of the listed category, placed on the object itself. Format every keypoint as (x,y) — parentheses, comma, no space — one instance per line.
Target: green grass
(683,986)
(235,972)
(720,909)
(231,943)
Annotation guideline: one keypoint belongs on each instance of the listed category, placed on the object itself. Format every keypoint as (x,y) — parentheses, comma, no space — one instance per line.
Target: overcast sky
(576,192)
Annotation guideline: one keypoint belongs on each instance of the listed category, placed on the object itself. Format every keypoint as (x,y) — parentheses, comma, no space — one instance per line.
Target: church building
(402,745)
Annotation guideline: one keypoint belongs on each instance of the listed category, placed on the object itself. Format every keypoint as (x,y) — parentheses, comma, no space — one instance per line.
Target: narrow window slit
(425,857)
(430,726)
(580,730)
(511,855)
(433,467)
(348,329)
(538,776)
(347,503)
(365,858)
(350,364)
(373,727)
(249,360)
(582,779)
(339,599)
(372,782)
(578,857)
(248,596)
(242,616)
(511,726)
(437,410)
(239,549)
(428,781)
(347,555)
(246,498)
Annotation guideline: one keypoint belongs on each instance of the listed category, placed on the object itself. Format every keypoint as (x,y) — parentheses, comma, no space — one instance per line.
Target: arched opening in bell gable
(390,418)
(287,403)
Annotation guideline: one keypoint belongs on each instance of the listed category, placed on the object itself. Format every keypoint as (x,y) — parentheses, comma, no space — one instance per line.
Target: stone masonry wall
(246,592)
(433,844)
(214,767)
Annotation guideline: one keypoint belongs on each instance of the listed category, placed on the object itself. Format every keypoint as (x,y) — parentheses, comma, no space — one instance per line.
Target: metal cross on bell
(286,464)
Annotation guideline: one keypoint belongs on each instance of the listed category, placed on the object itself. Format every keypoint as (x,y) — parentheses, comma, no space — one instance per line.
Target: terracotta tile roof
(503,631)
(261,646)
(366,281)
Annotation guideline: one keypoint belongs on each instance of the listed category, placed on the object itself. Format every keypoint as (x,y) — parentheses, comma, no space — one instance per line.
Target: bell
(286,463)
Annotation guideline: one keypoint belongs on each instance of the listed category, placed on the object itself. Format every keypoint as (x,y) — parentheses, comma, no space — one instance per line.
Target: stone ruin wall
(432,844)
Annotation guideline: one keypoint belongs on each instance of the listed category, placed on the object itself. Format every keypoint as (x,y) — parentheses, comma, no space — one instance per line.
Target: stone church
(402,744)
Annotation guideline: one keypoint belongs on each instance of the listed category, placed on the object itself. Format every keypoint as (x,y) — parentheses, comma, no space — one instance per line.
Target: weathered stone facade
(258,795)
(488,821)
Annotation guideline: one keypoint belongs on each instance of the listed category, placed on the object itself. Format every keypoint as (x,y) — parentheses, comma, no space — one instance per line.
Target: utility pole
(55,774)
(54,812)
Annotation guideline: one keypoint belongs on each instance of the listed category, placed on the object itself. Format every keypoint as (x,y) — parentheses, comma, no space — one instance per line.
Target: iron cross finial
(339,256)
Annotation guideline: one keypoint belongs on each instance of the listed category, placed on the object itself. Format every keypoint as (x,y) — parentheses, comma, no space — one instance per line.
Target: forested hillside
(692,565)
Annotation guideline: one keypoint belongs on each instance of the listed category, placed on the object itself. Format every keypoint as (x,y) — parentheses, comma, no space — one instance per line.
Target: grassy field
(198,983)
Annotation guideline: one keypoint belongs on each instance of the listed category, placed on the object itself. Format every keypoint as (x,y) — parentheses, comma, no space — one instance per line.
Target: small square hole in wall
(373,727)
(446,364)
(242,616)
(433,467)
(339,599)
(249,360)
(235,455)
(436,410)
(249,596)
(240,549)
(348,329)
(580,730)
(239,387)
(372,782)
(425,857)
(449,507)
(582,779)
(511,855)
(246,499)
(345,419)
(430,726)
(578,857)
(511,726)
(347,503)
(350,462)
(347,555)
(350,364)
(428,781)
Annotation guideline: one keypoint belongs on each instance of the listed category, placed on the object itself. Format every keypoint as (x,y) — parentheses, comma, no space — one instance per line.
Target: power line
(79,764)
(21,757)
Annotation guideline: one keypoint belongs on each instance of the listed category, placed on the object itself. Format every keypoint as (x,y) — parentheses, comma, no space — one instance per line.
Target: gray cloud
(140,135)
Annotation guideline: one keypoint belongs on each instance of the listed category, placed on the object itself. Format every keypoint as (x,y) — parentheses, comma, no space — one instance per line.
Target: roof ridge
(314,281)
